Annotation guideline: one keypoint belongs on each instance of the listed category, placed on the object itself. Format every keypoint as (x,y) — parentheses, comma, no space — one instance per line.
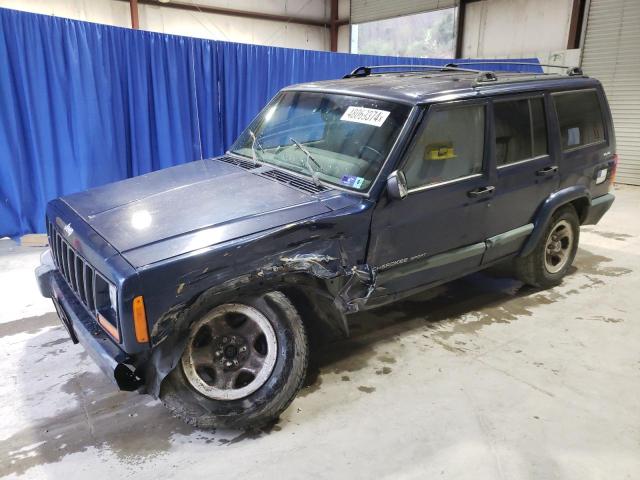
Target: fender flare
(547,209)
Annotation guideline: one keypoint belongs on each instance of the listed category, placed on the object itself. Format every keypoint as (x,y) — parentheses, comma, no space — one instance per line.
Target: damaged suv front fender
(322,259)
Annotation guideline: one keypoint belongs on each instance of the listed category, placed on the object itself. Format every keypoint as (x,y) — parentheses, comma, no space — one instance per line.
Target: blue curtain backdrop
(83,104)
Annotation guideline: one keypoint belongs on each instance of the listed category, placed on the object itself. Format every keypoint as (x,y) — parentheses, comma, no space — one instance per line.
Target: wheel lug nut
(225,339)
(218,353)
(228,364)
(243,349)
(235,362)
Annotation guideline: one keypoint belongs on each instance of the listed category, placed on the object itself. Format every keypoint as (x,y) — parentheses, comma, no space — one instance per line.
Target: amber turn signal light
(140,320)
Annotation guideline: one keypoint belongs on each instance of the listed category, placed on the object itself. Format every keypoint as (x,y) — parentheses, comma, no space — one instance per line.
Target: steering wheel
(372,163)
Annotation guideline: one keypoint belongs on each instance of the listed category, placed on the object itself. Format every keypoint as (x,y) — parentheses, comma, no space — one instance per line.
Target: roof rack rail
(571,71)
(365,71)
(482,75)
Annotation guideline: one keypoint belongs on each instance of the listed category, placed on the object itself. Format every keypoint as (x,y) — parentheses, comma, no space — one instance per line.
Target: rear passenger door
(525,170)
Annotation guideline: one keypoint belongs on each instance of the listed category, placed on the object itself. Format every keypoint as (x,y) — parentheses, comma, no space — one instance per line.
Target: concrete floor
(480,379)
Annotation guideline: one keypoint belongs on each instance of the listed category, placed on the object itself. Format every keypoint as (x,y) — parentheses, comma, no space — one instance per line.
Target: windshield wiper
(308,160)
(253,148)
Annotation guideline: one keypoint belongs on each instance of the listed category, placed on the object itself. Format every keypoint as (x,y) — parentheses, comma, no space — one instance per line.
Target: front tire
(553,256)
(243,364)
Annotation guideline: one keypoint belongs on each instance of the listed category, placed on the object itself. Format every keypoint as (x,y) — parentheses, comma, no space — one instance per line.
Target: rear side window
(580,118)
(450,146)
(521,130)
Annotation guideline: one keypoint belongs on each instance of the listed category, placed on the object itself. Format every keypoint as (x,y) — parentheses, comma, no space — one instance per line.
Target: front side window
(338,139)
(580,118)
(521,130)
(450,146)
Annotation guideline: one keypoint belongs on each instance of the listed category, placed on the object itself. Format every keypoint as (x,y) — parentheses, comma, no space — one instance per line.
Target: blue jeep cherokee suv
(197,284)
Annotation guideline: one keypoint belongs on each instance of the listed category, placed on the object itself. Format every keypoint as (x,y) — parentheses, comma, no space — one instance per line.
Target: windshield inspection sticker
(369,116)
(352,181)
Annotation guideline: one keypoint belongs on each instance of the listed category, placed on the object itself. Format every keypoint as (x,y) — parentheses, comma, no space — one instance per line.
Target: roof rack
(571,71)
(365,71)
(483,75)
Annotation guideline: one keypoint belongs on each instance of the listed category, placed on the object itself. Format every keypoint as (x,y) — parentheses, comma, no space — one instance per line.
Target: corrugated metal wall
(369,10)
(612,54)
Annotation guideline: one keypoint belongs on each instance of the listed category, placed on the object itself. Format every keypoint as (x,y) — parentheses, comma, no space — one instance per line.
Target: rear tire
(252,388)
(552,257)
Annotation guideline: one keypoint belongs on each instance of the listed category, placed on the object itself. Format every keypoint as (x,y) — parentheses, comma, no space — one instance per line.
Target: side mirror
(397,185)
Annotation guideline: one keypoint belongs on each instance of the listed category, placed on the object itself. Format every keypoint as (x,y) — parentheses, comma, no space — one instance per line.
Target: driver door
(437,231)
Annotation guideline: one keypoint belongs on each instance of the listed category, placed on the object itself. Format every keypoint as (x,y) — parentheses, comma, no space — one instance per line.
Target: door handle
(481,192)
(547,171)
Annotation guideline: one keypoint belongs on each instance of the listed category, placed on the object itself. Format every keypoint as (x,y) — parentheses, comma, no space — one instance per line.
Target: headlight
(113,297)
(106,297)
(107,306)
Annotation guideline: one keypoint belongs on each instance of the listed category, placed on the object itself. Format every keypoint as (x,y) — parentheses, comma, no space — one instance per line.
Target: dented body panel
(327,246)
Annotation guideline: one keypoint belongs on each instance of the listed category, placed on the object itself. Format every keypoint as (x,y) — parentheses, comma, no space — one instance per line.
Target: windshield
(337,139)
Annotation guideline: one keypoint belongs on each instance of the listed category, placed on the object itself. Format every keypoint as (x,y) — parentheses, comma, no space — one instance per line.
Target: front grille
(89,286)
(80,276)
(296,182)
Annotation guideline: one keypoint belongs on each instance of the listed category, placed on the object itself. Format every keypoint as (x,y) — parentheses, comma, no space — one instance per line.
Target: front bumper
(83,328)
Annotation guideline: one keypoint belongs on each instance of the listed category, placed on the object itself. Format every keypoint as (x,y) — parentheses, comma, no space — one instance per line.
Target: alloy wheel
(558,247)
(230,352)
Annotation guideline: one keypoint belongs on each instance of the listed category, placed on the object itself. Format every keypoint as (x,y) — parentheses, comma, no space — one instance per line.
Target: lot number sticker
(370,116)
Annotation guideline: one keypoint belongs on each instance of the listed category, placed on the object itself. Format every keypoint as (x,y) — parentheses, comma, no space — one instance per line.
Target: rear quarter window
(579,118)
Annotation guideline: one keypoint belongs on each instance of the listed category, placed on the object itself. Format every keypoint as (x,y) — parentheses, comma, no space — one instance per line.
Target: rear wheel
(242,365)
(552,257)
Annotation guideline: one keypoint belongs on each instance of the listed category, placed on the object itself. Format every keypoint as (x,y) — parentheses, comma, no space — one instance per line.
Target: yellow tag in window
(439,151)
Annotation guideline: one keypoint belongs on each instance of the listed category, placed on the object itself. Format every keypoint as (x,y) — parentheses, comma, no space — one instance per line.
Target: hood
(180,209)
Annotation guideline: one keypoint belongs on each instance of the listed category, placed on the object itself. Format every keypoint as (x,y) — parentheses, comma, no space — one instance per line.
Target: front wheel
(552,257)
(242,365)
